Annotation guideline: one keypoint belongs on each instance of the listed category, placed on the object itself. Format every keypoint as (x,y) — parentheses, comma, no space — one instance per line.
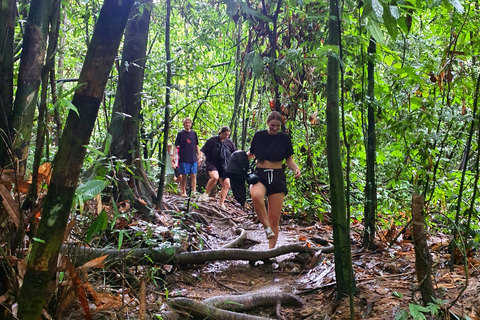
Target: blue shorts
(187,167)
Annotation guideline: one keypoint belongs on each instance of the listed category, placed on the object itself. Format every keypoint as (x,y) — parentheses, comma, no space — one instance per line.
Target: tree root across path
(198,257)
(203,311)
(176,255)
(247,302)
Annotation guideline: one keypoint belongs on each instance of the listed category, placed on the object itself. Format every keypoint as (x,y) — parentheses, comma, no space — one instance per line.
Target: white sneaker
(203,197)
(269,233)
(223,206)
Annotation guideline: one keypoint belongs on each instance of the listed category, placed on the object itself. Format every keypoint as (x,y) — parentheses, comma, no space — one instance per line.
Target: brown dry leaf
(81,294)
(88,287)
(108,300)
(446,285)
(68,230)
(382,290)
(98,198)
(45,173)
(10,205)
(124,206)
(23,186)
(7,178)
(95,263)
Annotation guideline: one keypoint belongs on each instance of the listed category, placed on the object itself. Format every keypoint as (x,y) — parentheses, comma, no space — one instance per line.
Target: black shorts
(274,180)
(212,167)
(177,172)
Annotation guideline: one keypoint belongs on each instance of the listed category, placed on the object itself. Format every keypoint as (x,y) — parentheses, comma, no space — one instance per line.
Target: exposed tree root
(247,302)
(199,257)
(170,255)
(238,241)
(135,256)
(202,311)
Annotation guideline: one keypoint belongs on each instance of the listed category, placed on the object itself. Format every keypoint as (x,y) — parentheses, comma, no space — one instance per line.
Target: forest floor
(385,278)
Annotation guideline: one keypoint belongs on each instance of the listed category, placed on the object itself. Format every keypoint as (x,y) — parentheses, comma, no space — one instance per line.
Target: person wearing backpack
(217,151)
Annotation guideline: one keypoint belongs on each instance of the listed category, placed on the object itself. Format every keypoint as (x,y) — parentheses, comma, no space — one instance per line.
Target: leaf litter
(385,278)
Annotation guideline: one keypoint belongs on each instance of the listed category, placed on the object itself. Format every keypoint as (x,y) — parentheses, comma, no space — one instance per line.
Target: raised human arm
(293,166)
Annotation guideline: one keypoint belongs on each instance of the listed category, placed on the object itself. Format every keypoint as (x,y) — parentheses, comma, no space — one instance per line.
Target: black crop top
(263,150)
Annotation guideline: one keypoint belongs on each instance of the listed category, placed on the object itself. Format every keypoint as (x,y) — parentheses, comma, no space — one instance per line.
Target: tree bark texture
(128,98)
(341,227)
(175,255)
(41,265)
(128,101)
(370,209)
(166,128)
(29,78)
(42,110)
(252,301)
(7,31)
(423,259)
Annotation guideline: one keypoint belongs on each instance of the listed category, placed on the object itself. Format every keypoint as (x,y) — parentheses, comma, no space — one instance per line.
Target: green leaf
(258,65)
(457,5)
(38,240)
(254,13)
(397,294)
(394,12)
(100,224)
(108,143)
(377,9)
(402,315)
(90,189)
(390,22)
(367,8)
(66,103)
(199,69)
(97,152)
(416,311)
(120,239)
(375,31)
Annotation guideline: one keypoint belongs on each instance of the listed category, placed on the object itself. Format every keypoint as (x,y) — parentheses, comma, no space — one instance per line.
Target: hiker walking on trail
(188,156)
(270,147)
(217,151)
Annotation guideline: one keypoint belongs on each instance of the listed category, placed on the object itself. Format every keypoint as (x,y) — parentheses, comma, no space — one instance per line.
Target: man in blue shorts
(188,155)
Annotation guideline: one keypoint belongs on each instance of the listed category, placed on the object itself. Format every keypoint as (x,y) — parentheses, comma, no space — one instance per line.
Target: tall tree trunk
(57,90)
(29,78)
(273,39)
(370,209)
(341,226)
(163,156)
(466,158)
(128,99)
(423,259)
(42,262)
(42,110)
(239,81)
(7,31)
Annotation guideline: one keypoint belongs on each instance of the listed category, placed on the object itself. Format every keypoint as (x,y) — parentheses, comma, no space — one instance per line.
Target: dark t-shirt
(188,142)
(263,150)
(211,149)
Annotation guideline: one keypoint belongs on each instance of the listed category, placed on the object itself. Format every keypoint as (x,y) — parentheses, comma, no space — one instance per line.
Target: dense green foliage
(425,81)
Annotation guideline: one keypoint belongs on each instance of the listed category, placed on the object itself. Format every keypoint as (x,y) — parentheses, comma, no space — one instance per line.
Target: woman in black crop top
(270,147)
